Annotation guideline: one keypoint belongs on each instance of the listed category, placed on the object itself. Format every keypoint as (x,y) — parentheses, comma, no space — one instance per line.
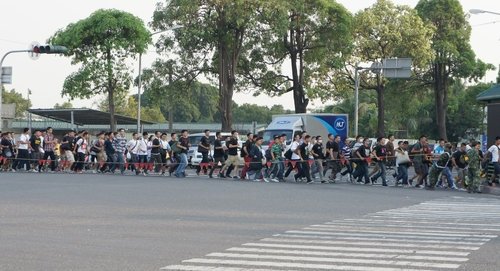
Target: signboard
(397,63)
(8,111)
(396,73)
(6,75)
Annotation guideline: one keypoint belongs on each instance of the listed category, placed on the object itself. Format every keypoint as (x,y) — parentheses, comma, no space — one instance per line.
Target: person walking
(183,146)
(219,153)
(380,154)
(204,149)
(474,181)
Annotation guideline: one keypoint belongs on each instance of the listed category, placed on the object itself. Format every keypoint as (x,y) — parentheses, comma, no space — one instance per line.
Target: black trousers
(52,156)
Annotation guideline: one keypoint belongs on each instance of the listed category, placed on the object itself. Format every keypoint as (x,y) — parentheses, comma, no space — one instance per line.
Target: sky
(24,22)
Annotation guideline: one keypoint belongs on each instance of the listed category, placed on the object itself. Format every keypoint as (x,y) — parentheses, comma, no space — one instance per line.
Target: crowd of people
(306,156)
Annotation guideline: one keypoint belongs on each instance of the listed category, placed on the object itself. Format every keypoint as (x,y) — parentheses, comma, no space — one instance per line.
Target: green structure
(491,97)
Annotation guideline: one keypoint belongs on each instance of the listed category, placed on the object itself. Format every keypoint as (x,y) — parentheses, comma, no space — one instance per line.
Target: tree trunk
(380,107)
(225,89)
(299,98)
(111,92)
(441,96)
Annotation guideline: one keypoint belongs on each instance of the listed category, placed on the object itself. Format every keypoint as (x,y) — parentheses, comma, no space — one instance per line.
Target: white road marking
(376,244)
(299,265)
(333,260)
(312,237)
(352,255)
(439,234)
(361,249)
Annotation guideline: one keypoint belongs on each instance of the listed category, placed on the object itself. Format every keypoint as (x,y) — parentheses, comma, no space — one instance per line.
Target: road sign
(397,63)
(6,75)
(397,73)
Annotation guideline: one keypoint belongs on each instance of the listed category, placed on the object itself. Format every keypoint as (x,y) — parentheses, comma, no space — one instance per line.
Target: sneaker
(323,181)
(210,176)
(275,180)
(247,177)
(257,180)
(310,182)
(265,180)
(222,176)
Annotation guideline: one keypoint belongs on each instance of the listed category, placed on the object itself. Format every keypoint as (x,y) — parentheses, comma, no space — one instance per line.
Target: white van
(194,157)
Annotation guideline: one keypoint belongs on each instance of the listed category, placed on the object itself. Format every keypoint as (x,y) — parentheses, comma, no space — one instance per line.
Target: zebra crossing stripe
(424,233)
(360,249)
(404,226)
(334,260)
(209,268)
(344,254)
(381,239)
(299,265)
(377,244)
(437,223)
(388,235)
(439,234)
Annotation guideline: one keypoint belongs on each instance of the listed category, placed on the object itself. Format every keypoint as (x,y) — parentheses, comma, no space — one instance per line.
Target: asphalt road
(104,222)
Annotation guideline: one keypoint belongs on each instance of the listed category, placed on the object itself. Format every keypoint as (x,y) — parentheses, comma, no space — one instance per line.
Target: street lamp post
(480,11)
(140,79)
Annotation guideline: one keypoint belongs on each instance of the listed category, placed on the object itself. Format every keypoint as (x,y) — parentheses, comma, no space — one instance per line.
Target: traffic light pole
(1,83)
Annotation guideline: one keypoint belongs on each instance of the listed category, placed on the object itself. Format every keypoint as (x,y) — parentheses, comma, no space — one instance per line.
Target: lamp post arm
(1,84)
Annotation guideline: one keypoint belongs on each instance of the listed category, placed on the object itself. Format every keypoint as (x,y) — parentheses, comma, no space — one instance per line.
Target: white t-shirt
(294,147)
(142,147)
(165,145)
(24,138)
(494,153)
(133,146)
(82,145)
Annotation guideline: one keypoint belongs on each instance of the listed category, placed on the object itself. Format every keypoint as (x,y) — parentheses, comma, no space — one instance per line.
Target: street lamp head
(476,11)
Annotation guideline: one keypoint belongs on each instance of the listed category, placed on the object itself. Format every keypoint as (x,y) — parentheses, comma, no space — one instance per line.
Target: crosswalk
(433,235)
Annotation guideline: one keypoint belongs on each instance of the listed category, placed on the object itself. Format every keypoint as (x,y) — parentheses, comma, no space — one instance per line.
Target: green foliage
(247,113)
(13,97)
(212,41)
(454,58)
(313,37)
(64,105)
(386,30)
(102,43)
(166,89)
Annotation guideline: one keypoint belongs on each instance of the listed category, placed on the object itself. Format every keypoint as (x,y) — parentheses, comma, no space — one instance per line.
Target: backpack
(288,154)
(268,155)
(174,147)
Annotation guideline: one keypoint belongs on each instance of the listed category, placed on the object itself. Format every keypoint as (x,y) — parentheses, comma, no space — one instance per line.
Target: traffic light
(49,49)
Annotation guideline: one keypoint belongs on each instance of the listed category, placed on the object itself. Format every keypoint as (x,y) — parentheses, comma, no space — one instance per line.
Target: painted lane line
(420,232)
(389,236)
(361,249)
(376,244)
(407,226)
(352,255)
(316,237)
(420,222)
(299,265)
(334,260)
(210,268)
(401,230)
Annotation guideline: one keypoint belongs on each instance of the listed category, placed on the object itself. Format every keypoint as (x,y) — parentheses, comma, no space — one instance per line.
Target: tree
(64,105)
(212,40)
(385,30)
(313,37)
(13,97)
(247,113)
(453,55)
(189,100)
(102,43)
